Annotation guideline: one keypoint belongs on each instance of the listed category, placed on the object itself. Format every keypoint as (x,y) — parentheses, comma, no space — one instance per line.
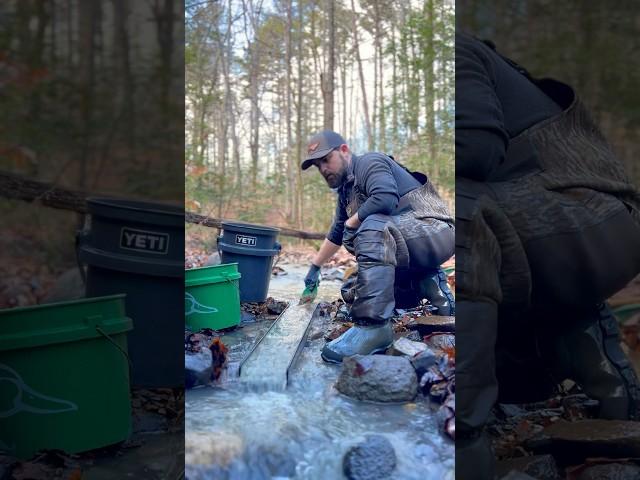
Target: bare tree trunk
(291,174)
(69,34)
(300,193)
(86,24)
(164,15)
(382,134)
(230,106)
(394,88)
(343,73)
(128,98)
(429,56)
(328,84)
(361,73)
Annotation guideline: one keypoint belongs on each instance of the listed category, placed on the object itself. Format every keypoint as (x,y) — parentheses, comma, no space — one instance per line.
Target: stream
(255,430)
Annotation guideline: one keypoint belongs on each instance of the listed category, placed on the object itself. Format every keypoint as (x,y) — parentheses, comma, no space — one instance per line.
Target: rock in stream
(373,459)
(378,378)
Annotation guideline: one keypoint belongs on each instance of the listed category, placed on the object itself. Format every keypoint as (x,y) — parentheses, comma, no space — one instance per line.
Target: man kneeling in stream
(400,232)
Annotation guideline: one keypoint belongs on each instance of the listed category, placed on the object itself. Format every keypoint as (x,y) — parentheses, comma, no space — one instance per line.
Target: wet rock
(213,259)
(197,368)
(428,324)
(273,460)
(246,317)
(372,459)
(333,274)
(446,416)
(278,271)
(441,342)
(413,336)
(611,471)
(378,378)
(515,475)
(342,313)
(423,361)
(275,307)
(598,438)
(406,347)
(149,422)
(542,467)
(212,448)
(439,391)
(68,286)
(579,406)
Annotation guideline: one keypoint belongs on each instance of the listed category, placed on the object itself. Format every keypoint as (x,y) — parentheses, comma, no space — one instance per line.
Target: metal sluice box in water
(137,248)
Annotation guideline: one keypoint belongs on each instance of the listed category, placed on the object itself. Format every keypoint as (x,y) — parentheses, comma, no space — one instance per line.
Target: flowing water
(244,431)
(264,367)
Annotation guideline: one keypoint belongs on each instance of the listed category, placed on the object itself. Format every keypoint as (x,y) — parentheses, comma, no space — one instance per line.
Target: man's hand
(311,282)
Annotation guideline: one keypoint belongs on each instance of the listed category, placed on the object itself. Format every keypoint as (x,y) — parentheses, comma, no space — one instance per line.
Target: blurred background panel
(590,45)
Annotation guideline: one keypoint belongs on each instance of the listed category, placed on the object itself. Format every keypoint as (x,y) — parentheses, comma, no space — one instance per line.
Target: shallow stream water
(240,431)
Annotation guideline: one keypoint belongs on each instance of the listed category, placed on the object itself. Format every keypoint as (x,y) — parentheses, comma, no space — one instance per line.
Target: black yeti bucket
(252,247)
(137,248)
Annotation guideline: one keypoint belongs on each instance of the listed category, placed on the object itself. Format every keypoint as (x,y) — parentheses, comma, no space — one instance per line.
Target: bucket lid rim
(81,301)
(121,203)
(208,266)
(196,282)
(253,226)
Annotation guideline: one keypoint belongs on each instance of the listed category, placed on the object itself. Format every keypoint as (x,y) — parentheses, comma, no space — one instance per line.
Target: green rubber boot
(436,289)
(589,353)
(359,340)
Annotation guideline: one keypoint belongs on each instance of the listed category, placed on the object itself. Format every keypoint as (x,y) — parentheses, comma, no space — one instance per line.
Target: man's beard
(335,180)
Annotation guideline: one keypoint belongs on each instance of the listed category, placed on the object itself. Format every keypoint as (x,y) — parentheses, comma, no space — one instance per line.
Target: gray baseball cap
(320,145)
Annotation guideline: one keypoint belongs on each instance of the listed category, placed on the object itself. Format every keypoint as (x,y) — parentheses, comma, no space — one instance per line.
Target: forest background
(263,76)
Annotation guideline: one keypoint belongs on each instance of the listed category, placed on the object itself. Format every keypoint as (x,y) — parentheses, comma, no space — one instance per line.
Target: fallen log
(17,187)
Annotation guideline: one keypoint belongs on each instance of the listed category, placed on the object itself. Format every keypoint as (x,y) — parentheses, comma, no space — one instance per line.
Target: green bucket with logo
(64,376)
(212,297)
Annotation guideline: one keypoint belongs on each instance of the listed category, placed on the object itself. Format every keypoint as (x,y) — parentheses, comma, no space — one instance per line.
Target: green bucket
(211,297)
(64,376)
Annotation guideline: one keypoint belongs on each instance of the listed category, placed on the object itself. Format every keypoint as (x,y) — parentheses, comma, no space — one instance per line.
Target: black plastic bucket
(252,247)
(137,248)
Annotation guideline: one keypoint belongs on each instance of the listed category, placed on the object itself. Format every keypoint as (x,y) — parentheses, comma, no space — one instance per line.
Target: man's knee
(374,242)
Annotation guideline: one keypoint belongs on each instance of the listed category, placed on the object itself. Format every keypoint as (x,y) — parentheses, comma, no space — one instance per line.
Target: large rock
(212,448)
(68,286)
(378,378)
(611,471)
(409,348)
(423,361)
(213,259)
(197,368)
(373,459)
(515,475)
(600,438)
(542,467)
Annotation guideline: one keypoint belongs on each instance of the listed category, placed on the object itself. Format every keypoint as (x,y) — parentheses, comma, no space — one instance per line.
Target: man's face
(333,168)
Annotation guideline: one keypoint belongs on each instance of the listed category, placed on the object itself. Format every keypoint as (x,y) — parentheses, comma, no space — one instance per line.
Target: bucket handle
(81,235)
(277,257)
(123,351)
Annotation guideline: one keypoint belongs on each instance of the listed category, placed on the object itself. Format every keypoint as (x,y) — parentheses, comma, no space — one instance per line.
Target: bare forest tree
(262,77)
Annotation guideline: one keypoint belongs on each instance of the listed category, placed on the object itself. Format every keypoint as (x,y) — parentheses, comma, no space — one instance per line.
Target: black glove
(313,276)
